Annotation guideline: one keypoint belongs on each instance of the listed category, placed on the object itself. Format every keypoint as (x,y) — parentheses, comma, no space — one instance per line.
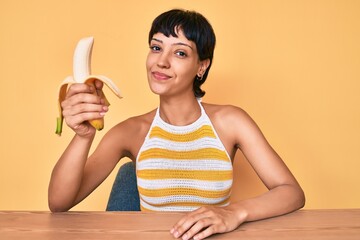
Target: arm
(67,175)
(70,180)
(285,194)
(238,130)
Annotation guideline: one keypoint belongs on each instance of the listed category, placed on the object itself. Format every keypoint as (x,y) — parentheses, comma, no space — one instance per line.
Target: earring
(199,77)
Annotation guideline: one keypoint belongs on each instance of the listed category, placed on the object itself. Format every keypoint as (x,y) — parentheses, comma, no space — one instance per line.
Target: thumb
(98,84)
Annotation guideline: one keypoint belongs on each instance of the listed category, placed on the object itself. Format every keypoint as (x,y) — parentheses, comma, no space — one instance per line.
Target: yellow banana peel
(82,74)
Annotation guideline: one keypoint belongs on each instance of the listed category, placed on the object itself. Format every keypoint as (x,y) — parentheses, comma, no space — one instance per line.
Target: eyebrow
(177,43)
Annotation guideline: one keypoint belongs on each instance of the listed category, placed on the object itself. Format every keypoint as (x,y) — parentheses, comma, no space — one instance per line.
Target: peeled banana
(82,74)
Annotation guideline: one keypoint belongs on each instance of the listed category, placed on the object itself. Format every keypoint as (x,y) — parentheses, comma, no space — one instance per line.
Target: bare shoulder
(233,124)
(225,113)
(137,123)
(134,127)
(127,136)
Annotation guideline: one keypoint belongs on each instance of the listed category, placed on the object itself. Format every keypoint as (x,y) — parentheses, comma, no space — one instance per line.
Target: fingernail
(176,234)
(172,230)
(185,237)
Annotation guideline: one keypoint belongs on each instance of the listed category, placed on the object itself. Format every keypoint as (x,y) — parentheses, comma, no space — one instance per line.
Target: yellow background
(294,66)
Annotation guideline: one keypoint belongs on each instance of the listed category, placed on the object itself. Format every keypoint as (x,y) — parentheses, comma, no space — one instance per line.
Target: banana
(82,74)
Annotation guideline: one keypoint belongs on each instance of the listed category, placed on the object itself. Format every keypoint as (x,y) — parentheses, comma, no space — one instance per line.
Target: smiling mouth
(160,76)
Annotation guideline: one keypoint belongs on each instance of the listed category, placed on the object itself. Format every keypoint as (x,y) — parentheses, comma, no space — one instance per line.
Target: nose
(163,60)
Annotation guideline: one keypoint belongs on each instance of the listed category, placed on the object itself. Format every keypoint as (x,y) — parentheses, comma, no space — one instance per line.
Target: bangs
(188,22)
(196,28)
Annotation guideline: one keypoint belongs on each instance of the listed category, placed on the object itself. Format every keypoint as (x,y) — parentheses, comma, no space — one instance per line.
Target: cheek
(147,63)
(189,70)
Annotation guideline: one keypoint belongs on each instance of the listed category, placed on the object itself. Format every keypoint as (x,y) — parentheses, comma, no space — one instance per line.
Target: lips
(160,76)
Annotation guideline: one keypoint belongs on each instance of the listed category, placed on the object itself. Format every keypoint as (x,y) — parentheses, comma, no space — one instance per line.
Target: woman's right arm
(67,178)
(67,175)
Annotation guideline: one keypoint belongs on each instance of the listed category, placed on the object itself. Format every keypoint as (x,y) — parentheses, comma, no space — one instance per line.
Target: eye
(181,53)
(155,48)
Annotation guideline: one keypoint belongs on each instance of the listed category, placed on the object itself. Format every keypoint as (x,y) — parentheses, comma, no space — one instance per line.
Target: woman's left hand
(206,221)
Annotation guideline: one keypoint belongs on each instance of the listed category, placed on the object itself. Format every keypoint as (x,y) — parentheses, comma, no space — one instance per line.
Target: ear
(203,66)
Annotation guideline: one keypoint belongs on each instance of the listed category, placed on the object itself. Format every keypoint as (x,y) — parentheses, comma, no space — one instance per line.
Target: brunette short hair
(196,28)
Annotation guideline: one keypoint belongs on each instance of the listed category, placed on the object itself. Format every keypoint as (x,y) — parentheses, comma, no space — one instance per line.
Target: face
(172,65)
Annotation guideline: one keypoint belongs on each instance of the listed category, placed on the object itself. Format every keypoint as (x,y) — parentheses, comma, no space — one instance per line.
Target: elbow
(58,201)
(55,209)
(295,197)
(301,198)
(56,206)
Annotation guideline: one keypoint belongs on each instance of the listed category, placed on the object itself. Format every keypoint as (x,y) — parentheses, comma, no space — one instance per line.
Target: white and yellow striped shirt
(180,168)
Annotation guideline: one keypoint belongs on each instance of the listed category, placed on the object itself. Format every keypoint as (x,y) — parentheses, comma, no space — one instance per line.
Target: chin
(156,90)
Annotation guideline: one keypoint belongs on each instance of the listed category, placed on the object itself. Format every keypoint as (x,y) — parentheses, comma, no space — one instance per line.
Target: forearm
(280,200)
(67,174)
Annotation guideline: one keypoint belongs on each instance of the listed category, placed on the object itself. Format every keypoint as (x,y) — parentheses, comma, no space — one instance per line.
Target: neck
(178,112)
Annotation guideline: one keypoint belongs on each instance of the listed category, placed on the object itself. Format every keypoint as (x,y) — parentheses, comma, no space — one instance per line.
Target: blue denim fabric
(124,194)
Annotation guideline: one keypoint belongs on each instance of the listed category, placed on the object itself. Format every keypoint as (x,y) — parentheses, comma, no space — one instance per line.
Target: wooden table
(303,224)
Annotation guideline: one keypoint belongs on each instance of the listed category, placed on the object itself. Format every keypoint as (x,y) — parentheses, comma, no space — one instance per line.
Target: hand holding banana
(82,74)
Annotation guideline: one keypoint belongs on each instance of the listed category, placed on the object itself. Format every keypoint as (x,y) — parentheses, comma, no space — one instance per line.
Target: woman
(184,149)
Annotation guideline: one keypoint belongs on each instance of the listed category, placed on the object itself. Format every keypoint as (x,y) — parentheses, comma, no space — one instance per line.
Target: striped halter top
(180,168)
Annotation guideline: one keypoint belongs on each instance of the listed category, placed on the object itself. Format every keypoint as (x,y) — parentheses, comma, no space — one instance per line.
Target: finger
(81,98)
(187,221)
(206,233)
(98,84)
(79,88)
(197,227)
(190,215)
(83,108)
(79,119)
